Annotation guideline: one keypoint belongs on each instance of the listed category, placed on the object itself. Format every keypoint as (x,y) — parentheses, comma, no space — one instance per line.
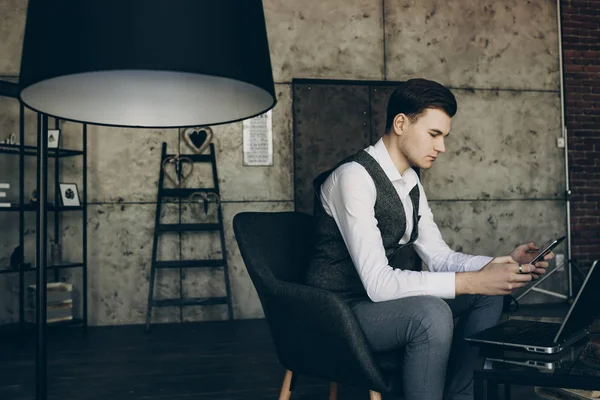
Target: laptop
(563,360)
(548,337)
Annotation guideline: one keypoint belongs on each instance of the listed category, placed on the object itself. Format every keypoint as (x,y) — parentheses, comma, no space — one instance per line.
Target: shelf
(32,151)
(74,323)
(184,192)
(192,301)
(13,328)
(34,207)
(8,270)
(189,264)
(64,266)
(194,157)
(188,227)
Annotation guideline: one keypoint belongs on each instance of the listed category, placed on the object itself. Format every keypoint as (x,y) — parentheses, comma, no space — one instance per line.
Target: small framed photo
(69,195)
(53,138)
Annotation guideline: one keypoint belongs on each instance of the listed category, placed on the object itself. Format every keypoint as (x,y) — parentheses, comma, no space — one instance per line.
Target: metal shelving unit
(8,89)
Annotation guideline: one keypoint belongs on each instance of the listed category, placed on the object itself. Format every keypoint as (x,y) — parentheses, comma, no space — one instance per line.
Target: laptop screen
(585,308)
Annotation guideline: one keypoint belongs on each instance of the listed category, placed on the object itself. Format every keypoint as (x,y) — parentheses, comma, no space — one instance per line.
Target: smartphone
(547,250)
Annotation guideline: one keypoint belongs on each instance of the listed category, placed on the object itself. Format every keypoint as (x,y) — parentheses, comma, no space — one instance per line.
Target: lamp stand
(41,256)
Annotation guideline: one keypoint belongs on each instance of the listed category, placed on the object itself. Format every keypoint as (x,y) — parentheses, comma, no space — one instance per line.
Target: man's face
(422,141)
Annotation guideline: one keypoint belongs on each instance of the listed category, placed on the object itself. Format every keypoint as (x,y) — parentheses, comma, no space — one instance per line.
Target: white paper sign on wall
(258,140)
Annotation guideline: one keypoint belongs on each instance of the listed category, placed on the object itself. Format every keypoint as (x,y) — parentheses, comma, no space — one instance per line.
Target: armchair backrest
(275,246)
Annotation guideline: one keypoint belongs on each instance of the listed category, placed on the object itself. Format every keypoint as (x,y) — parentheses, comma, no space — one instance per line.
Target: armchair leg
(333,391)
(374,395)
(285,387)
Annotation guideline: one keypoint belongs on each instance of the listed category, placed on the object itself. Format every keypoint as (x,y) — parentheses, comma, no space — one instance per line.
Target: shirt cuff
(442,284)
(478,262)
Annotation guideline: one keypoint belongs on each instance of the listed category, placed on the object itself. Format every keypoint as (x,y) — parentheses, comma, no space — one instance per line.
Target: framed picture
(53,138)
(258,140)
(69,195)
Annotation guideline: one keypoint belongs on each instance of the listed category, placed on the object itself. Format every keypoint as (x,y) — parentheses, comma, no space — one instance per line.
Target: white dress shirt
(349,195)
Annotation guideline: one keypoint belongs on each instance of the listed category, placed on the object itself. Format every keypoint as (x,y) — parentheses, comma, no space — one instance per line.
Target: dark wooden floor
(211,360)
(224,360)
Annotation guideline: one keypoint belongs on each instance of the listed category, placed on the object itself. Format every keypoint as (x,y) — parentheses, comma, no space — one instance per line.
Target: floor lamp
(138,63)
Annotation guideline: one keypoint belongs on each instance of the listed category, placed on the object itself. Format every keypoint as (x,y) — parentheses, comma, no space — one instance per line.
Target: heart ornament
(198,139)
(204,198)
(180,175)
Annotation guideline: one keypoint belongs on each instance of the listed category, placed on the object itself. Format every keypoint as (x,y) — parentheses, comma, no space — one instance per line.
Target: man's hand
(525,253)
(499,277)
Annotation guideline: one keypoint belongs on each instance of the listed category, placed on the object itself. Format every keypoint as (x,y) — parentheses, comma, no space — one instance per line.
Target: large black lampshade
(147,63)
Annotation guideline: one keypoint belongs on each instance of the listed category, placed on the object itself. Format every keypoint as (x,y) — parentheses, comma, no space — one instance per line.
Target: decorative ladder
(161,228)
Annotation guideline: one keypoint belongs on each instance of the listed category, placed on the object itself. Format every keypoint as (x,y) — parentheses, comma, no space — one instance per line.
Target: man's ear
(400,122)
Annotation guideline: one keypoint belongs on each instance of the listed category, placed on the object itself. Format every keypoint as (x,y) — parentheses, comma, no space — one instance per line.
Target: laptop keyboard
(538,333)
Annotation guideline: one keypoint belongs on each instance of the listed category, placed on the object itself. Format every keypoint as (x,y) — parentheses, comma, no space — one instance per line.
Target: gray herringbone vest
(331,267)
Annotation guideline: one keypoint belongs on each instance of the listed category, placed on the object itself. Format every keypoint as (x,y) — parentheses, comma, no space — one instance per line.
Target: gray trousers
(438,362)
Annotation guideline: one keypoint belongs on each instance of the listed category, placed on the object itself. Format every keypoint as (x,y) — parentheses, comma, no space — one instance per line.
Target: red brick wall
(581,52)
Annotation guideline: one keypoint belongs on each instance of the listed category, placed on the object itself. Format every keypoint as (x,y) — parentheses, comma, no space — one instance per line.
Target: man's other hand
(525,253)
(499,277)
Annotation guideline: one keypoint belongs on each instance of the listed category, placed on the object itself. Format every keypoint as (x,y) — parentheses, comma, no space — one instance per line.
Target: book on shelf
(3,194)
(57,315)
(54,305)
(55,287)
(56,292)
(55,312)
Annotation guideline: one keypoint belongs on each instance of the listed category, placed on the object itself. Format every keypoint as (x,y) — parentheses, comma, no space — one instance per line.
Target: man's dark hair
(415,96)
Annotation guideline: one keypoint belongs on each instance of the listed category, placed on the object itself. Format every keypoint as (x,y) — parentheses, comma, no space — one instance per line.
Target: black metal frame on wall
(332,116)
(9,89)
(333,119)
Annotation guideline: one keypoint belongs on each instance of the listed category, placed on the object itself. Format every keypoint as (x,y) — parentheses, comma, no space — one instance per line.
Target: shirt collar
(386,163)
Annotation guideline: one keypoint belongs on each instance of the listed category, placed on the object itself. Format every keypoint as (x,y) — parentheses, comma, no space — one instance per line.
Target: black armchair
(314,332)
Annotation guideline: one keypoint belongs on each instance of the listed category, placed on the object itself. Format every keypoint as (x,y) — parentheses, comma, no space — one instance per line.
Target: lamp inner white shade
(146,98)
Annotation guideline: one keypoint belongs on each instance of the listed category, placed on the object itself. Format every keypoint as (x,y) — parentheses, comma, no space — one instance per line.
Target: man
(372,205)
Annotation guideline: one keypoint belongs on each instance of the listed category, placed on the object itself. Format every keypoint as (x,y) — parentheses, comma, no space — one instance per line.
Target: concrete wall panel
(12,29)
(243,183)
(124,163)
(325,39)
(480,44)
(502,145)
